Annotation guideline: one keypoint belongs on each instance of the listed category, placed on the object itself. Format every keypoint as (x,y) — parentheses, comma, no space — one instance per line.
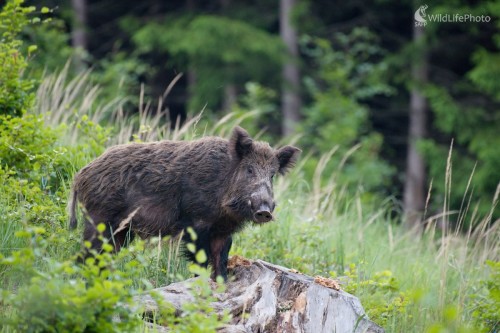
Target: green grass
(407,280)
(324,230)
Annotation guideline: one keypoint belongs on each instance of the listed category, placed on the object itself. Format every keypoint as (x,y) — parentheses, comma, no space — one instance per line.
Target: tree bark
(262,297)
(79,39)
(291,101)
(230,97)
(414,191)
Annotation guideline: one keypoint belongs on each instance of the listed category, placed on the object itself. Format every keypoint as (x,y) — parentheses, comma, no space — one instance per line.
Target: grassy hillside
(437,280)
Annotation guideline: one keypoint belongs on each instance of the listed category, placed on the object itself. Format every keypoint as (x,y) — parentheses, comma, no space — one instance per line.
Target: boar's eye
(249,170)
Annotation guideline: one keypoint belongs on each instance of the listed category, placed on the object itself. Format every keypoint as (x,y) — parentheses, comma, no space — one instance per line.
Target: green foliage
(381,294)
(338,118)
(467,110)
(94,137)
(259,98)
(66,297)
(54,294)
(32,167)
(198,316)
(32,151)
(486,302)
(26,145)
(220,50)
(15,91)
(119,75)
(53,47)
(486,71)
(35,166)
(256,110)
(35,203)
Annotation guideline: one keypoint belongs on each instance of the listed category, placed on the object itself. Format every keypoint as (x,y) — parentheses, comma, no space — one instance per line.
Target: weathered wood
(276,299)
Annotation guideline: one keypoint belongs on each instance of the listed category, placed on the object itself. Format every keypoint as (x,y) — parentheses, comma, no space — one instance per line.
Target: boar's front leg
(219,252)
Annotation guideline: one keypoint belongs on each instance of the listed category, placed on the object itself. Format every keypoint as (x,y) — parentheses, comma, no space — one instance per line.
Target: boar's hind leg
(122,239)
(219,252)
(90,234)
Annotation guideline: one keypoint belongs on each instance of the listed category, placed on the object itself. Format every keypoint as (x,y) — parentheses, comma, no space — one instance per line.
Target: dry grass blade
(124,224)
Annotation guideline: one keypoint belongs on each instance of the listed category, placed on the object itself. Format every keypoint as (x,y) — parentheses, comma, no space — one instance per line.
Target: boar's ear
(240,142)
(287,156)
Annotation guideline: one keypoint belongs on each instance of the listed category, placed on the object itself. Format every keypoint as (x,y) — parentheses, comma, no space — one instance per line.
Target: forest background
(337,74)
(389,111)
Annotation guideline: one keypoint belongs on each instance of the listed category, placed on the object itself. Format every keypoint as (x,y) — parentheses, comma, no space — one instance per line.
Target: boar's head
(250,191)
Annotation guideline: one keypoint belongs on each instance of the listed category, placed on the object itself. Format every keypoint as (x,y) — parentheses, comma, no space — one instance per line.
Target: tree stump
(275,299)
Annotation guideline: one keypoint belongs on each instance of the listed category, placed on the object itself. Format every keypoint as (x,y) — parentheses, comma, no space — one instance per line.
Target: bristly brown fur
(210,184)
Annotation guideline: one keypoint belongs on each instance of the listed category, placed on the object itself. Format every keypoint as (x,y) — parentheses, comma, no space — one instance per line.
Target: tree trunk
(414,192)
(230,97)
(291,102)
(262,297)
(78,34)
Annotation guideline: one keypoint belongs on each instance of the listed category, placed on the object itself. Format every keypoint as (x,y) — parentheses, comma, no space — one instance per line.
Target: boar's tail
(72,211)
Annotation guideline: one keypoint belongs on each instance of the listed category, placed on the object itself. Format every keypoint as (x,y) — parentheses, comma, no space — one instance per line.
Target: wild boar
(212,184)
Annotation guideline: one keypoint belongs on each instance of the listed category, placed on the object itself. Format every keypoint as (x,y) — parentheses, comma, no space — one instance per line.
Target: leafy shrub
(16,94)
(26,145)
(382,297)
(338,116)
(60,296)
(32,167)
(36,167)
(53,46)
(66,297)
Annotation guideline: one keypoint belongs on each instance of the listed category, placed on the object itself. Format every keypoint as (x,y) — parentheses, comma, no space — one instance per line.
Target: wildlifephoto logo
(421,17)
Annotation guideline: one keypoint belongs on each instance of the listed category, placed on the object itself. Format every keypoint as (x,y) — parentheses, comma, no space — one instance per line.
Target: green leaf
(201,256)
(22,234)
(192,234)
(101,227)
(45,10)
(107,247)
(191,248)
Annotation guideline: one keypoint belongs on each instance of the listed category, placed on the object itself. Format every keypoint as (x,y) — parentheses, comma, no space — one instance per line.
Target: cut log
(275,299)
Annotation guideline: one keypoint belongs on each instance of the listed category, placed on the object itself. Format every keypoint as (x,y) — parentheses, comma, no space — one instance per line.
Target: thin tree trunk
(291,102)
(191,83)
(78,34)
(414,192)
(230,97)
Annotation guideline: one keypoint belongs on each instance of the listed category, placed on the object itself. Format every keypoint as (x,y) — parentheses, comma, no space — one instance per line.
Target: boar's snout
(261,202)
(263,214)
(262,206)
